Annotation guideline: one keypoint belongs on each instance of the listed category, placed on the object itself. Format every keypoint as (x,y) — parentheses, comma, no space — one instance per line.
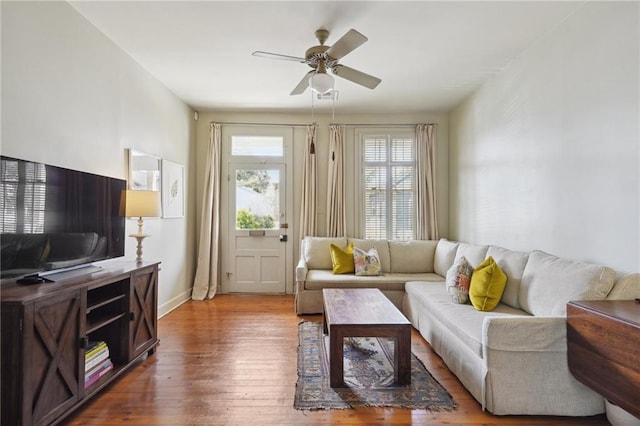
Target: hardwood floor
(232,360)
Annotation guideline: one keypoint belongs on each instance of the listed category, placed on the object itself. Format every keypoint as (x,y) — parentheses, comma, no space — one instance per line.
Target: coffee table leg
(325,329)
(336,360)
(402,354)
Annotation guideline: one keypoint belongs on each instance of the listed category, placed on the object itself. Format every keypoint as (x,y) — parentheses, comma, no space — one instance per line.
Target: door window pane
(257,199)
(258,146)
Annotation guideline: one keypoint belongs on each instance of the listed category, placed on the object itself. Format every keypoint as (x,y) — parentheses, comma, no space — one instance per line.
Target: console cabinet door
(144,311)
(52,370)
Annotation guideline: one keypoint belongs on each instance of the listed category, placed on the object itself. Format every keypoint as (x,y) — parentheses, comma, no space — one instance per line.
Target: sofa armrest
(527,369)
(301,269)
(525,333)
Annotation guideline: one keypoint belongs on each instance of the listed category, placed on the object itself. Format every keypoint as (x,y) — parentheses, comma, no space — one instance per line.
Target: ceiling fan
(322,57)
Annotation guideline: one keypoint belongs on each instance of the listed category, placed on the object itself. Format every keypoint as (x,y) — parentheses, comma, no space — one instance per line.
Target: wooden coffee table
(364,312)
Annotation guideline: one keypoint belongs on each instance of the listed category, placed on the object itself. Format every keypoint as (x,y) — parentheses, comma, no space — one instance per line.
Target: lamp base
(139,237)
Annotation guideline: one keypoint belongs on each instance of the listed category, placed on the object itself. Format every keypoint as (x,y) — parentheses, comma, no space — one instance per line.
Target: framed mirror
(145,171)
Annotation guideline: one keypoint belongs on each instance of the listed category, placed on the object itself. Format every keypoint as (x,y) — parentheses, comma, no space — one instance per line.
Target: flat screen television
(54,219)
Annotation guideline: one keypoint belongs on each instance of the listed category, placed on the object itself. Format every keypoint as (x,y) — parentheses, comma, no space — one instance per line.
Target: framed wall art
(144,171)
(172,189)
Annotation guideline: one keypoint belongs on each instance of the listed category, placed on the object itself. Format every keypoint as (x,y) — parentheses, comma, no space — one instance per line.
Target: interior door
(257,227)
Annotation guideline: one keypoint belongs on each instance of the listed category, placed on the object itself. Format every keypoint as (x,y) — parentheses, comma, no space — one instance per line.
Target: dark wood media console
(46,327)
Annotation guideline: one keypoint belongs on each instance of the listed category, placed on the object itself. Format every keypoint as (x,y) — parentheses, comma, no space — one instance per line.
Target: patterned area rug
(368,366)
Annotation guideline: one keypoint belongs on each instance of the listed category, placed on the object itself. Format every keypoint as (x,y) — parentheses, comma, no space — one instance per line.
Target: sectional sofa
(511,359)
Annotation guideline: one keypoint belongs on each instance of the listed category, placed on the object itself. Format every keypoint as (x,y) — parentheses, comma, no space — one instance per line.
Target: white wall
(322,153)
(71,98)
(546,155)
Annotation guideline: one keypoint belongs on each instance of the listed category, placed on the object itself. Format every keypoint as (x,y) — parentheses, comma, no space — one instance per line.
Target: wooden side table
(603,349)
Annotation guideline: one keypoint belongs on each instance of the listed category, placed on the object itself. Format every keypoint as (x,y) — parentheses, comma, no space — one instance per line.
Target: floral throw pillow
(458,280)
(366,262)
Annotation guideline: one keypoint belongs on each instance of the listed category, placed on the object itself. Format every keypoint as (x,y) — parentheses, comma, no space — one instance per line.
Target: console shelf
(46,328)
(98,324)
(104,302)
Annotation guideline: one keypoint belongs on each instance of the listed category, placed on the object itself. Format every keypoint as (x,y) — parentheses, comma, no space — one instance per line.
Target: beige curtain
(205,283)
(308,225)
(336,215)
(427,228)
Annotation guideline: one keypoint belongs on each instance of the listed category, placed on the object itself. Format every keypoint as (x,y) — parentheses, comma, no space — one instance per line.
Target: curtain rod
(384,125)
(304,125)
(259,124)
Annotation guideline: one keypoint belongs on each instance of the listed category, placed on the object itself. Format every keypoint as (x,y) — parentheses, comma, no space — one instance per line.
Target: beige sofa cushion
(444,256)
(462,321)
(412,256)
(317,251)
(381,246)
(512,263)
(626,287)
(319,279)
(474,253)
(550,282)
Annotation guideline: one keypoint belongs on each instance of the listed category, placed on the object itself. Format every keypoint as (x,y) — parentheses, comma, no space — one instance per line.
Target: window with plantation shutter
(388,186)
(22,197)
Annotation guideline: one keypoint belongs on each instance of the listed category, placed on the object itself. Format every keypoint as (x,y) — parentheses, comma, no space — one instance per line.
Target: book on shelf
(96,359)
(94,348)
(97,373)
(97,369)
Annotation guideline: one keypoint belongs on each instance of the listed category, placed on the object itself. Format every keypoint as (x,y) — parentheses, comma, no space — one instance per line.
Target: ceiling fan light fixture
(321,83)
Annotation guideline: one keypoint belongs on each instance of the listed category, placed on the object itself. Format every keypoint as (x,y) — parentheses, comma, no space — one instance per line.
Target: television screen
(53,218)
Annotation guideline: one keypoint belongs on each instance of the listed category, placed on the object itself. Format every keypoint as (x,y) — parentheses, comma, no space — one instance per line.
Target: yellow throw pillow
(342,259)
(487,285)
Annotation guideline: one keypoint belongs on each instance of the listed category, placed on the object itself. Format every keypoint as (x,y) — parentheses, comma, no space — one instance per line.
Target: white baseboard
(172,304)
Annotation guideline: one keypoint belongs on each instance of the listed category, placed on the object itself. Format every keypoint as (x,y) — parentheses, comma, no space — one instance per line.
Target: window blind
(389,168)
(22,197)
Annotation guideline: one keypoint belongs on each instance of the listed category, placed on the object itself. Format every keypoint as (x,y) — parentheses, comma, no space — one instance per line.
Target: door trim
(228,131)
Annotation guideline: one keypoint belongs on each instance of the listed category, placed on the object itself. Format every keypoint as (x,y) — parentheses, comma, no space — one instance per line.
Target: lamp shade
(141,204)
(321,82)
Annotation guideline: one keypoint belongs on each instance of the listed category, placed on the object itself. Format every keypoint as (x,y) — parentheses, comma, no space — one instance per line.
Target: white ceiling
(430,55)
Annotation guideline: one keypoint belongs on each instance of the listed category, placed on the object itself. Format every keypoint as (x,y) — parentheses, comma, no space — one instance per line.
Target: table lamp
(141,204)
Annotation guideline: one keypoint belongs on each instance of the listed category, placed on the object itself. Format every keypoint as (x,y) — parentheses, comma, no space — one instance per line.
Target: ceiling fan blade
(356,76)
(346,44)
(277,56)
(304,83)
